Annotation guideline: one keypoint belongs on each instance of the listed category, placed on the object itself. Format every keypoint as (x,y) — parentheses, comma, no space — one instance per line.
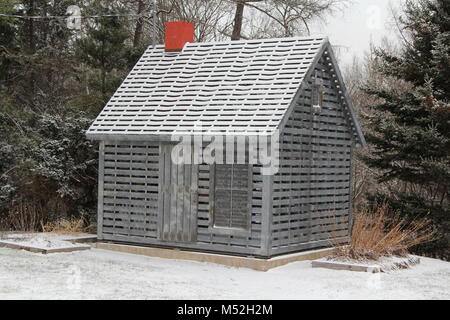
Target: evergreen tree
(410,132)
(106,49)
(45,161)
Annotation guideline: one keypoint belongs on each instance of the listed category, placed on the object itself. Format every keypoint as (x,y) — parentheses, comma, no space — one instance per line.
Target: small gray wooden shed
(290,87)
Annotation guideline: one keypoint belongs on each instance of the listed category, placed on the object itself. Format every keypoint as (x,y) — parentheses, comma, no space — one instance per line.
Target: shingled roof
(234,87)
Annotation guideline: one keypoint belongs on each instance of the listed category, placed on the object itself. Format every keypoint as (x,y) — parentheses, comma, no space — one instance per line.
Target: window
(317,100)
(232,189)
(318,91)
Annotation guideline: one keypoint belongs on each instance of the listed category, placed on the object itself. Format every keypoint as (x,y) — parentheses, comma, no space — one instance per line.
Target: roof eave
(169,137)
(128,137)
(348,100)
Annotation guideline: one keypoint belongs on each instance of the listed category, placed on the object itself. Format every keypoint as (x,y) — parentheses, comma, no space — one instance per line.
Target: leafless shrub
(382,234)
(24,215)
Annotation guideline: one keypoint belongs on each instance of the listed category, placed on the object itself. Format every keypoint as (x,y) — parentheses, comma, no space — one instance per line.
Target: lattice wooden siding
(129,202)
(311,200)
(130,190)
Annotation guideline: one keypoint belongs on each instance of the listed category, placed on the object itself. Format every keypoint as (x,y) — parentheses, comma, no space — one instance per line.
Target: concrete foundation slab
(231,261)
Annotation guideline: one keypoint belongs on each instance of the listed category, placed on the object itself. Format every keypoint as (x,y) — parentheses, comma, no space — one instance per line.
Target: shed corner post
(101,177)
(350,213)
(267,215)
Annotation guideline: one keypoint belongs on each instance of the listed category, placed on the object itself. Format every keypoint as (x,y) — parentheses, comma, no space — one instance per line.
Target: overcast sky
(358,24)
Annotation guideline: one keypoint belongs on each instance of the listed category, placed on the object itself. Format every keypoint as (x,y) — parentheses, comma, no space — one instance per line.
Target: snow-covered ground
(100,274)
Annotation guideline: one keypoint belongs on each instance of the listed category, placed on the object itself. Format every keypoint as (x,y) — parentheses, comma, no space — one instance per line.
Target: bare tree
(285,17)
(139,23)
(355,76)
(210,17)
(235,19)
(239,17)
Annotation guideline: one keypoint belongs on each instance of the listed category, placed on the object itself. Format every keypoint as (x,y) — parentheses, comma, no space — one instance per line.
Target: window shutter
(231,193)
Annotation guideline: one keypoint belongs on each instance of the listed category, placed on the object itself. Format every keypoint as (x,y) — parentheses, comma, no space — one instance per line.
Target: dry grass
(66,226)
(381,234)
(24,216)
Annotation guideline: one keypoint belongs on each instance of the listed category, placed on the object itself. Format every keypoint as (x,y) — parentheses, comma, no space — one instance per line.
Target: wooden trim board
(80,238)
(9,245)
(346,266)
(231,261)
(377,267)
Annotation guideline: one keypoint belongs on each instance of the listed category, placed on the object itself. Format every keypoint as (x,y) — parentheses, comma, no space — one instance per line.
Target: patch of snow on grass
(37,240)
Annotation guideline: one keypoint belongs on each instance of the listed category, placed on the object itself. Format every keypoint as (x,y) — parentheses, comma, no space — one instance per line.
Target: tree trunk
(139,25)
(31,50)
(104,85)
(31,42)
(238,20)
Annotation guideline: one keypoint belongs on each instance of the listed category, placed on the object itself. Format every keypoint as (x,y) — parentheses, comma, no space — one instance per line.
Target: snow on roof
(234,87)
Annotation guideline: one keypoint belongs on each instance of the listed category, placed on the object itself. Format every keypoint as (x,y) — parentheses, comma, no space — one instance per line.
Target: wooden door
(178,199)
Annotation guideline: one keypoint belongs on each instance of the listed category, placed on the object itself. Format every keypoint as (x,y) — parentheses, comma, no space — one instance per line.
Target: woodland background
(54,81)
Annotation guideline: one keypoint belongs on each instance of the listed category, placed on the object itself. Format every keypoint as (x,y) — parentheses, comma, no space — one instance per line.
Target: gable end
(326,62)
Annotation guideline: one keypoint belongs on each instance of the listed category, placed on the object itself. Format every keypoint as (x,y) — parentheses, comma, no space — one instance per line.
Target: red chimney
(178,34)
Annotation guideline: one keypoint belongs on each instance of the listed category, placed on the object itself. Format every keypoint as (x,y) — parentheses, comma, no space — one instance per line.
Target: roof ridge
(282,39)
